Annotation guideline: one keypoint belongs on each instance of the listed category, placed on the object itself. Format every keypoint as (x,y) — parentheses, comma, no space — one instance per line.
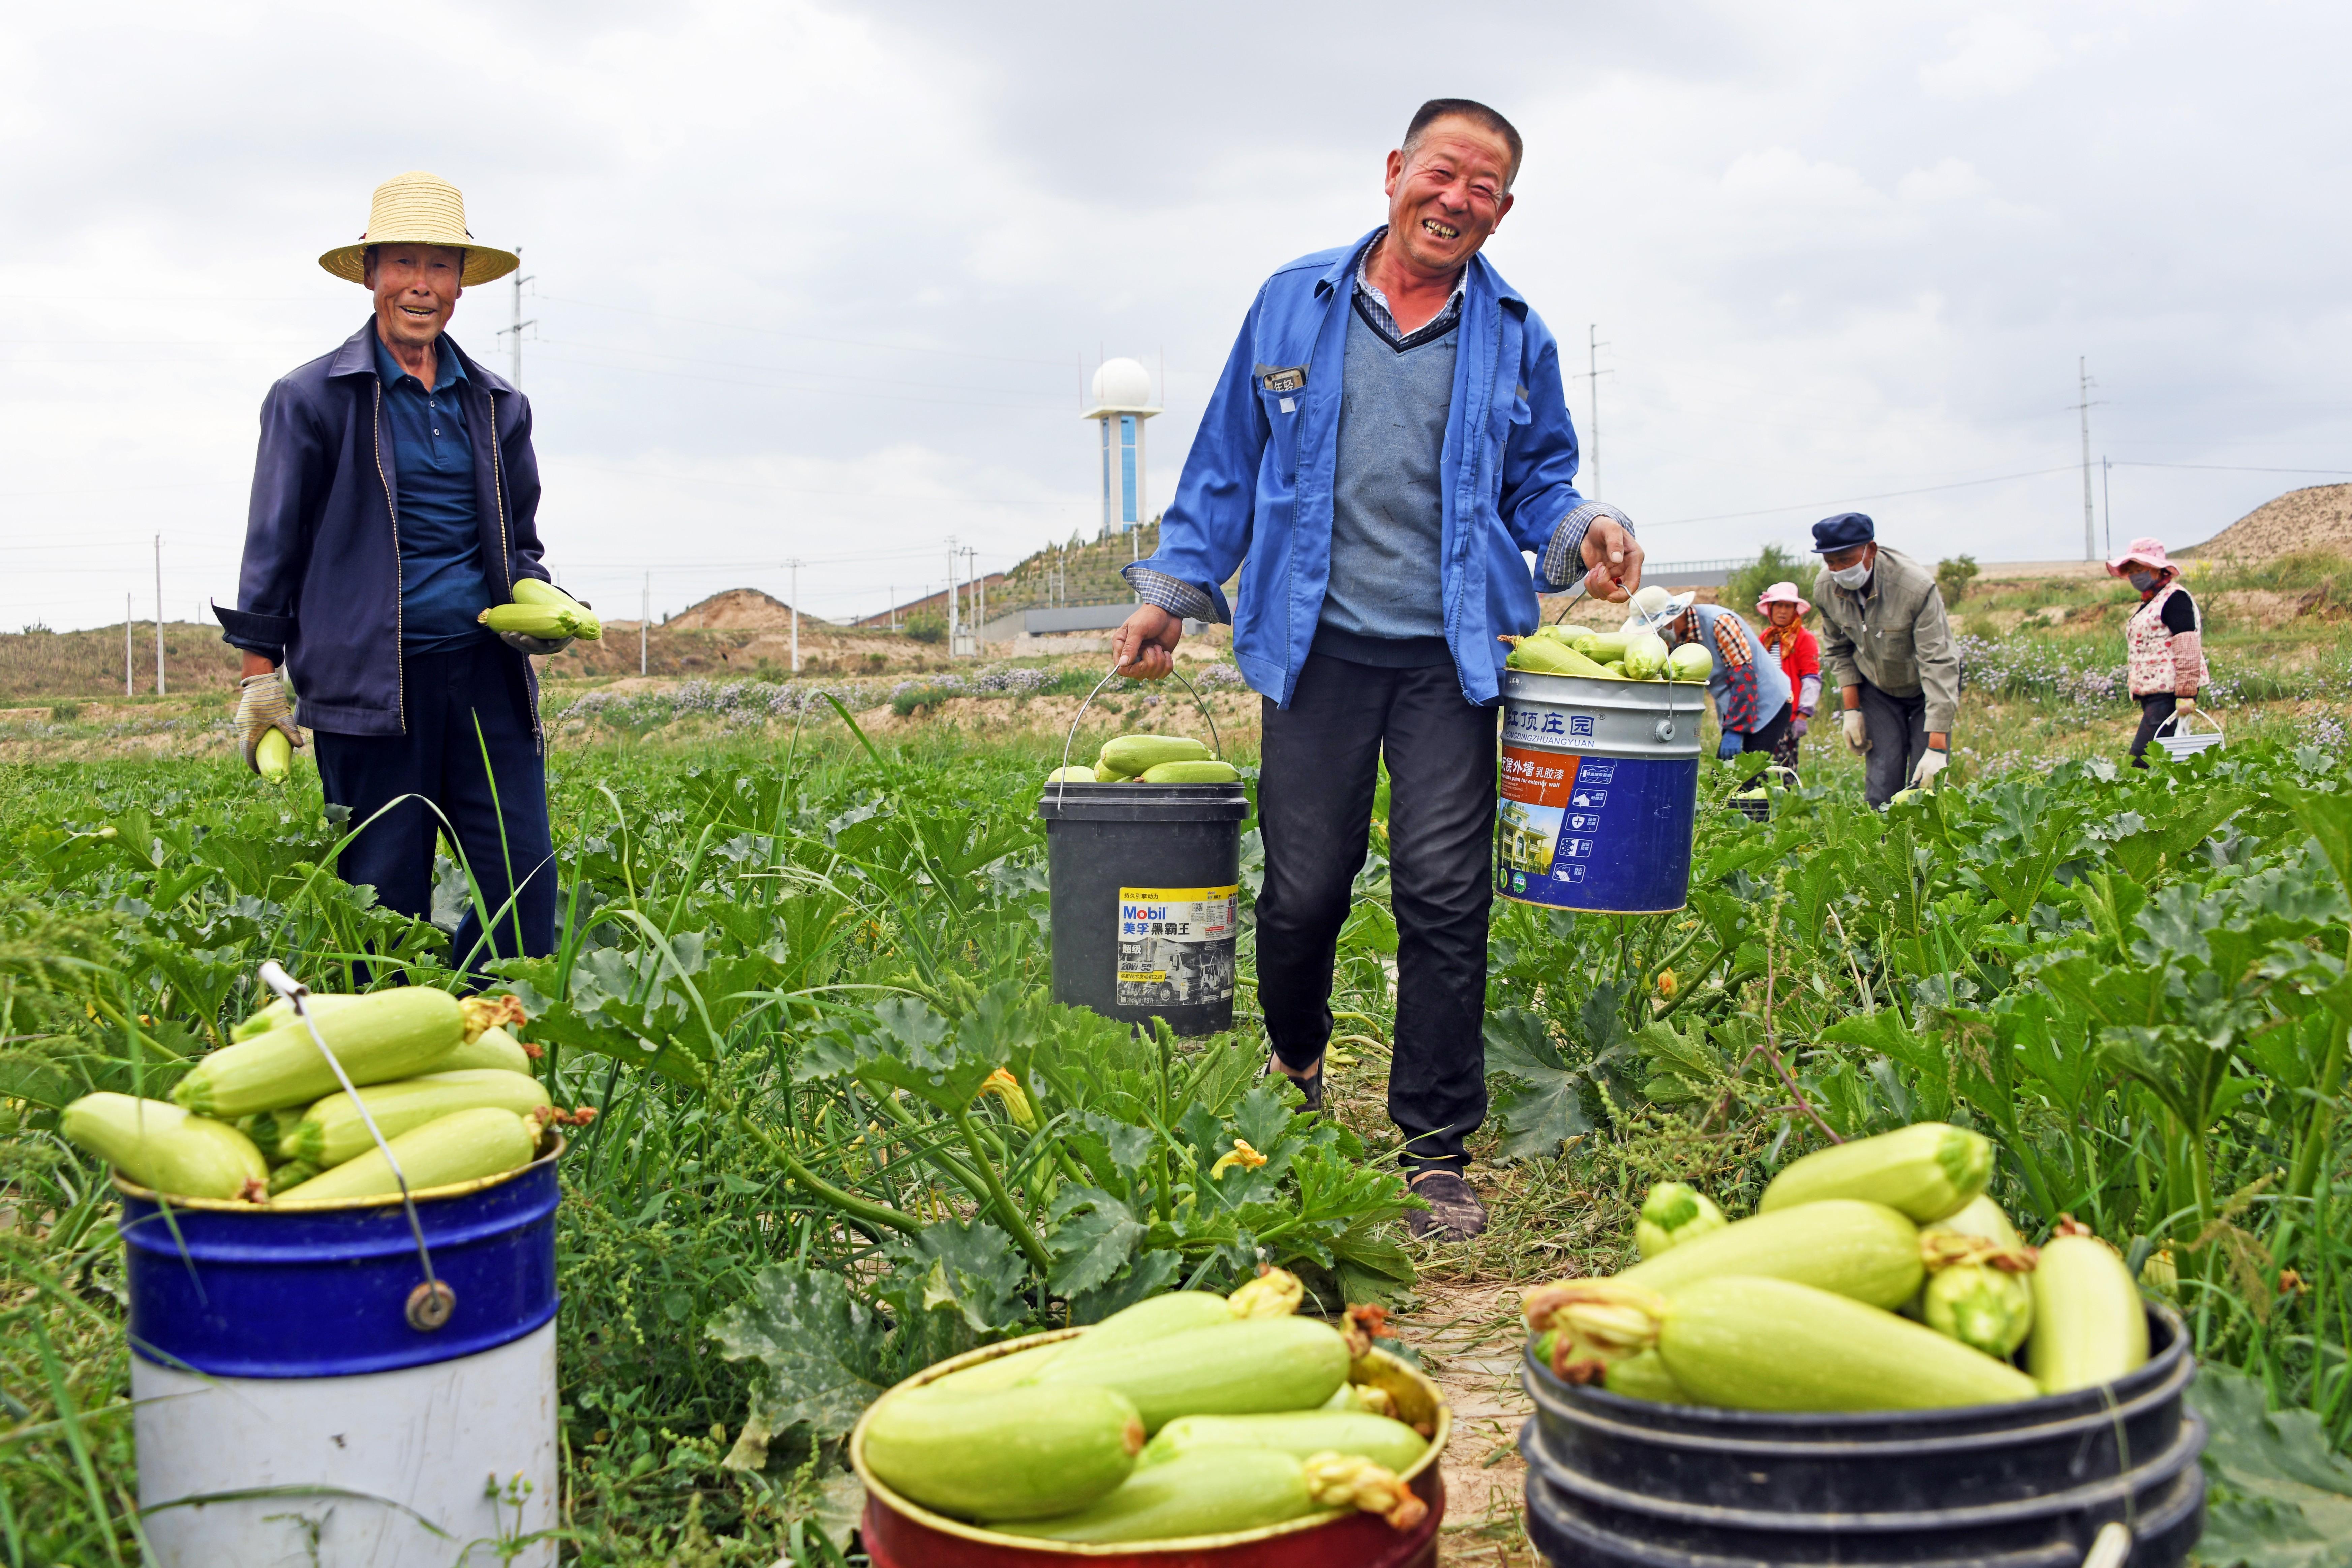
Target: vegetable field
(843,1131)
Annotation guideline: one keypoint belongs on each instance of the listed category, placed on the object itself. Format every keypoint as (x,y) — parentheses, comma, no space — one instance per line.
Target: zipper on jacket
(392,507)
(505,559)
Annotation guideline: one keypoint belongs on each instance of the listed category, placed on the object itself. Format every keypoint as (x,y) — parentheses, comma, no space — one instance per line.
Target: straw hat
(1782,594)
(2145,551)
(418,208)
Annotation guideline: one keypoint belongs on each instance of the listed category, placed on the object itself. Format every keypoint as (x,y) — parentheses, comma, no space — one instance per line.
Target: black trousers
(1319,776)
(497,818)
(2154,709)
(1898,738)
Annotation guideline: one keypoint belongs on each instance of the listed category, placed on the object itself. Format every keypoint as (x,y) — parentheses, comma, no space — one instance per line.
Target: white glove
(261,707)
(1857,734)
(1931,763)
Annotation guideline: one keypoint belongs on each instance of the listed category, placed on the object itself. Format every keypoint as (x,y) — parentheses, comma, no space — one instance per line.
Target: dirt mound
(2318,517)
(738,609)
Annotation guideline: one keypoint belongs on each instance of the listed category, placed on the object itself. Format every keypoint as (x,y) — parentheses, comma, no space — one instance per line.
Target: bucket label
(1595,833)
(1176,945)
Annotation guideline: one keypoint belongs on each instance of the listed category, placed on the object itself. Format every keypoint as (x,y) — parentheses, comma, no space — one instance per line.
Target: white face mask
(1851,577)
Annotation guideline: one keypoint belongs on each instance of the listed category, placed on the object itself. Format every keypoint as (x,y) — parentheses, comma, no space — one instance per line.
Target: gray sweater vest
(1386,510)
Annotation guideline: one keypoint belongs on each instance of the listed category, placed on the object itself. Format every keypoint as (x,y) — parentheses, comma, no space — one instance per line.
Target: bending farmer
(393,501)
(1388,441)
(1750,690)
(1890,651)
(2164,642)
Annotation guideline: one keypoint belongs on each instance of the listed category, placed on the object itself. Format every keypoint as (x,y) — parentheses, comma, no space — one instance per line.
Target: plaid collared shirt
(1373,305)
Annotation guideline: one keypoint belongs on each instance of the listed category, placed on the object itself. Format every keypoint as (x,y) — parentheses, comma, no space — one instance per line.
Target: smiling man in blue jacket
(1389,443)
(395,498)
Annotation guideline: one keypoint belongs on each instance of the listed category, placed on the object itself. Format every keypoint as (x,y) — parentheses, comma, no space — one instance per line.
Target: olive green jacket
(1893,634)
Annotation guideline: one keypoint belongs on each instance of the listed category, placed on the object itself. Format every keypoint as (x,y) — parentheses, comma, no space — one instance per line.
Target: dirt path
(1469,1337)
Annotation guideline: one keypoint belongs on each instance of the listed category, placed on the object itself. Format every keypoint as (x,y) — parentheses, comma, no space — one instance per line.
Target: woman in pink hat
(2164,646)
(1784,633)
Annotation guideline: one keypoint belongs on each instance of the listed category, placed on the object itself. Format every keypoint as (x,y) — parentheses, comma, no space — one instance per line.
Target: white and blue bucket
(1599,791)
(306,1396)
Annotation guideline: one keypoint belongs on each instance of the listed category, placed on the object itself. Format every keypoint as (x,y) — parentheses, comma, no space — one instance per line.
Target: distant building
(1122,402)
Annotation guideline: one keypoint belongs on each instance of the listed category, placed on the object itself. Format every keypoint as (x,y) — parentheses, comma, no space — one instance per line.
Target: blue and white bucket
(290,1408)
(1599,791)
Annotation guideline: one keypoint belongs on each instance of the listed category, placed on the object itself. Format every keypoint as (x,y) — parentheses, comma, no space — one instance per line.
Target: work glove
(523,642)
(2184,705)
(1857,734)
(1797,725)
(1931,763)
(1731,746)
(261,707)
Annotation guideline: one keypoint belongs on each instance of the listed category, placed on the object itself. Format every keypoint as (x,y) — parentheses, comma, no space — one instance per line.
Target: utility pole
(894,606)
(645,619)
(951,595)
(1592,374)
(2107,502)
(516,374)
(159,614)
(2090,528)
(795,565)
(126,646)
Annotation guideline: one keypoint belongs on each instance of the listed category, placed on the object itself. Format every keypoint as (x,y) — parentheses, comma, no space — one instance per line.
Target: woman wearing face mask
(2164,647)
(1799,653)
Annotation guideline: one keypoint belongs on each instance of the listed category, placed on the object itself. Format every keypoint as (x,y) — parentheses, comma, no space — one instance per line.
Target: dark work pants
(440,759)
(1898,738)
(2155,709)
(1319,774)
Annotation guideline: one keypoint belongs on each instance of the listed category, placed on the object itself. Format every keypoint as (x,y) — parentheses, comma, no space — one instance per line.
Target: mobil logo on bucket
(1599,791)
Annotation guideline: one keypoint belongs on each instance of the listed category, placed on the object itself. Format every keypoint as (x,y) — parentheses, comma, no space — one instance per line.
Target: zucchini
(1861,1250)
(1201,770)
(1002,1372)
(273,755)
(1231,1369)
(1674,1212)
(1029,1452)
(1928,1170)
(493,1048)
(1769,1344)
(1982,1218)
(291,1175)
(280,1012)
(332,1132)
(1154,1317)
(1076,773)
(463,1146)
(1129,756)
(1301,1434)
(382,1036)
(1549,656)
(164,1148)
(1643,1375)
(1362,1397)
(2090,1326)
(1984,1308)
(1210,1491)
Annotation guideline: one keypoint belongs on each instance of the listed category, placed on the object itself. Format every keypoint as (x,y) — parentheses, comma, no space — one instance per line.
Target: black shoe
(1455,1213)
(1311,1087)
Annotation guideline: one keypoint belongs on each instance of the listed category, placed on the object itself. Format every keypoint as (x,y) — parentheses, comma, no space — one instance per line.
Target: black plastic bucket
(1145,887)
(1620,1481)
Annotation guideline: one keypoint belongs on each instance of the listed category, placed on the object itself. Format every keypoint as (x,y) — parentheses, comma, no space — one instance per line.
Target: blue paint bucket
(1599,791)
(293,1405)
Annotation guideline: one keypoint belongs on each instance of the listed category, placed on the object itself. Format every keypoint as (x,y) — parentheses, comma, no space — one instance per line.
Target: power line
(1882,495)
(805,337)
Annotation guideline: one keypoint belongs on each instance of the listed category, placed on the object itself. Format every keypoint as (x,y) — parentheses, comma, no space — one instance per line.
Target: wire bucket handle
(431,1304)
(1112,674)
(2173,726)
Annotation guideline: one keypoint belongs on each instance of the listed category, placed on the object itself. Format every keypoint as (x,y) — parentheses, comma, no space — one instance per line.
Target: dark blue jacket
(319,591)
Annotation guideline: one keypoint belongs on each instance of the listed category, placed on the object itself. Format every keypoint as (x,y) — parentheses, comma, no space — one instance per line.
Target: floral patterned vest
(2152,661)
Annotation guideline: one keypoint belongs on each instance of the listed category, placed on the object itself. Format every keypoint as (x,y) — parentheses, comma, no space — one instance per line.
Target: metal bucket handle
(431,1304)
(1072,737)
(2173,723)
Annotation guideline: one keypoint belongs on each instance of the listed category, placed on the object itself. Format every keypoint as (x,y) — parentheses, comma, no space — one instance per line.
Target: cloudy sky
(822,281)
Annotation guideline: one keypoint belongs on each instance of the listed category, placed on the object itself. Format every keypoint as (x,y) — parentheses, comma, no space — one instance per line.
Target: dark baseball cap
(1844,531)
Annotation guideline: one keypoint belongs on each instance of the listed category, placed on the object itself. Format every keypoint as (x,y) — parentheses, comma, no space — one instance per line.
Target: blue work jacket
(319,589)
(1256,487)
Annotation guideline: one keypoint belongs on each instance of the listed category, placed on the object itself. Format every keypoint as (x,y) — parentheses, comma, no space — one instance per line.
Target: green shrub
(926,626)
(1954,575)
(1772,564)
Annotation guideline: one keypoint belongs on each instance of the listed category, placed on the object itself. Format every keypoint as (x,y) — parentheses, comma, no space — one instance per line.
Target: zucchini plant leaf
(818,1349)
(1145,1275)
(1097,1237)
(903,1044)
(2281,1498)
(1542,1105)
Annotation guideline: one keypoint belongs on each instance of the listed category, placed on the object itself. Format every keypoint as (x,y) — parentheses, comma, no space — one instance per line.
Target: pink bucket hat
(1782,594)
(2146,551)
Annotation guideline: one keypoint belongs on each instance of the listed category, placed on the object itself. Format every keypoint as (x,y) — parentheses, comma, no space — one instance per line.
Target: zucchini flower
(1347,1480)
(1247,1158)
(1275,1293)
(1007,1090)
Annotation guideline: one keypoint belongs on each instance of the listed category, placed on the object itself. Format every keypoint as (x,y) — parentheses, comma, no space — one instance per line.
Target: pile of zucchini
(262,1119)
(1187,1414)
(1608,656)
(1873,1276)
(1150,758)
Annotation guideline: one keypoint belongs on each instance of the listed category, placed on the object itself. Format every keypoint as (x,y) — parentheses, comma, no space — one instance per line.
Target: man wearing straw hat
(395,498)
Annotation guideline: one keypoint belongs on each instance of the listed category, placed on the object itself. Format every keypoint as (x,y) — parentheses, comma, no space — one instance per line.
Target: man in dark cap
(1889,649)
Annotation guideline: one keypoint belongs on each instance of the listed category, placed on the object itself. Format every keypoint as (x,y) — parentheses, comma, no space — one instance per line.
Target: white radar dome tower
(1122,402)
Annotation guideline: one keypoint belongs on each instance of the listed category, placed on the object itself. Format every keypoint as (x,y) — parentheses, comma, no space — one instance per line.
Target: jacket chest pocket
(1285,413)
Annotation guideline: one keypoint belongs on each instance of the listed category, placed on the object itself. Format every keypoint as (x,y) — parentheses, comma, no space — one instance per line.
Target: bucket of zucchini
(1189,1422)
(1874,1275)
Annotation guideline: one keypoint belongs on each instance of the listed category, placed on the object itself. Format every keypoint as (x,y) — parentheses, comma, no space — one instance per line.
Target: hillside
(2316,517)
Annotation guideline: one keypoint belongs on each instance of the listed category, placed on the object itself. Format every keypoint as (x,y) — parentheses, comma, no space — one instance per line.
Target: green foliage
(925,626)
(1773,564)
(2281,1497)
(1953,575)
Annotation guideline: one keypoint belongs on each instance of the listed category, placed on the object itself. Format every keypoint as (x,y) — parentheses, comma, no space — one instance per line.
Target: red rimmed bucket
(901,1535)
